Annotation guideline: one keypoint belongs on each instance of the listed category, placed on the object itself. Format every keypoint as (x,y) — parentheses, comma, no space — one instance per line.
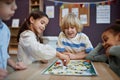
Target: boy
(72,41)
(7,10)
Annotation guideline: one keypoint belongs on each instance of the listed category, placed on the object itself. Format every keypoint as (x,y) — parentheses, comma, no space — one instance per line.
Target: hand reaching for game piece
(64,62)
(65,58)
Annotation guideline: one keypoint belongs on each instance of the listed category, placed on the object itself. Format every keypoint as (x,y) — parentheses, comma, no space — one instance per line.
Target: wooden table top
(33,72)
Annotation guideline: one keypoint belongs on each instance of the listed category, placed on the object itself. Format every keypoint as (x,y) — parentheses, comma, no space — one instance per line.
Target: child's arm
(3,74)
(77,56)
(94,54)
(80,55)
(16,66)
(100,58)
(63,57)
(115,51)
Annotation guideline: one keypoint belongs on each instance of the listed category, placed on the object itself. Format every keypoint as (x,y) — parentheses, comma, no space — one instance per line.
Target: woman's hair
(71,20)
(114,29)
(26,24)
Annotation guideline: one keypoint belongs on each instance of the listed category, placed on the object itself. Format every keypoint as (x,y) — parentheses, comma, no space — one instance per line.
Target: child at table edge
(7,10)
(30,46)
(111,44)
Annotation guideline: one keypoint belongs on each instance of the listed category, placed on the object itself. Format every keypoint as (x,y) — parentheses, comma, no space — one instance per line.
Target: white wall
(50,40)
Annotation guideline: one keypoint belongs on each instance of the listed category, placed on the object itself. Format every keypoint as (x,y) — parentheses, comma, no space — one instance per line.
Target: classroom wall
(21,12)
(93,31)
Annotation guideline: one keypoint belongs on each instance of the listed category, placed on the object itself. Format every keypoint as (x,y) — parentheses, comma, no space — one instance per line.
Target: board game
(75,67)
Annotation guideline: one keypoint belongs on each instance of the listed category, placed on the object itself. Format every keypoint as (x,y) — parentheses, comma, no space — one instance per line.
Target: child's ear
(31,20)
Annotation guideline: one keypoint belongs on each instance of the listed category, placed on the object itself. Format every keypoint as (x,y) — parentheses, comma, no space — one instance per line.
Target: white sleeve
(35,49)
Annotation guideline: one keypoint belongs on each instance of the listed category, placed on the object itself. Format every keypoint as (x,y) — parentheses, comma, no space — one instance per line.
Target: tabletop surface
(33,72)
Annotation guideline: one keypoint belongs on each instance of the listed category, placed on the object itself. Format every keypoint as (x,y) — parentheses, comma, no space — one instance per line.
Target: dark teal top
(113,59)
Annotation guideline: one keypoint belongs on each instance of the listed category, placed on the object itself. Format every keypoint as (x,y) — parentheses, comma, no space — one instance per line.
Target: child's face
(110,40)
(38,25)
(70,32)
(7,9)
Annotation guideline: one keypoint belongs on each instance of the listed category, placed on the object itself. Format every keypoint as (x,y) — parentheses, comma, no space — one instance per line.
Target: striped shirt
(77,44)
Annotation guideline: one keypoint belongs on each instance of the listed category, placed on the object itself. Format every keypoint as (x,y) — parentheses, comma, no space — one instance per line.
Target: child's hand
(3,74)
(64,58)
(80,55)
(71,56)
(44,61)
(107,48)
(107,52)
(20,66)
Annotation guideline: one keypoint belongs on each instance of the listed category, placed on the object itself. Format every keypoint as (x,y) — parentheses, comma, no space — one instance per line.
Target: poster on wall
(50,11)
(103,14)
(65,11)
(75,11)
(83,18)
(15,23)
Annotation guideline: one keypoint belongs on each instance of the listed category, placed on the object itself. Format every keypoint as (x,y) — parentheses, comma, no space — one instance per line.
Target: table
(33,72)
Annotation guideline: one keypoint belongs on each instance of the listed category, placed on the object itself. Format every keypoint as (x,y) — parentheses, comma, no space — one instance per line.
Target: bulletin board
(82,11)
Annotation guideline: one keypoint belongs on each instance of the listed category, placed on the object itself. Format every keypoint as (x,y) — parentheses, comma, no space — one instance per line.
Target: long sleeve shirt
(113,59)
(30,49)
(77,44)
(4,42)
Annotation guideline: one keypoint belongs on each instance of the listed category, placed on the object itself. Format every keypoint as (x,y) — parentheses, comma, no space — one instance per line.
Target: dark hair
(115,29)
(26,24)
(117,21)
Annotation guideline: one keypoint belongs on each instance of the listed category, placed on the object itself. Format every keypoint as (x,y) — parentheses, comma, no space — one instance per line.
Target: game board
(75,67)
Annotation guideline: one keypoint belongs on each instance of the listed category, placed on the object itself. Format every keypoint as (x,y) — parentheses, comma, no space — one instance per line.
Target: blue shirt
(4,42)
(77,44)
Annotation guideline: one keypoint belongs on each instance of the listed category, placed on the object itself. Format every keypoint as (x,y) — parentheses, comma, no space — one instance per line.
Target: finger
(63,62)
(66,62)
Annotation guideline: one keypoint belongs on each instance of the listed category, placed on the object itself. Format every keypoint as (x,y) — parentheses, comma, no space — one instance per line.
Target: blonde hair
(71,20)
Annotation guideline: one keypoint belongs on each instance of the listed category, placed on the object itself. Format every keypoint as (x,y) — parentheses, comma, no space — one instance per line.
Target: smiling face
(71,25)
(38,25)
(7,9)
(109,39)
(70,32)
